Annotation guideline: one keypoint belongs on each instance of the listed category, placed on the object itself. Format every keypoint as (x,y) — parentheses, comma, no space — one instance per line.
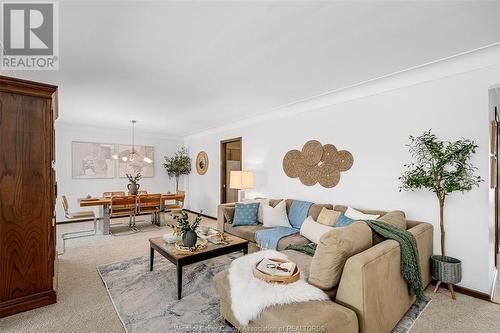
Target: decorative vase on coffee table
(189,238)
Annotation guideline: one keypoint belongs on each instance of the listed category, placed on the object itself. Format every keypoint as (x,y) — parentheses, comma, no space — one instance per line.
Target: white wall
(373,121)
(79,188)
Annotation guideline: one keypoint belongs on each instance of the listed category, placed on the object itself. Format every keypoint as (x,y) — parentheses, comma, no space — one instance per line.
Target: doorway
(230,153)
(494,100)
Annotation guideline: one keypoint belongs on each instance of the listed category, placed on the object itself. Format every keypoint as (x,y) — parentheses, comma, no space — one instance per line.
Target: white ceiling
(183,67)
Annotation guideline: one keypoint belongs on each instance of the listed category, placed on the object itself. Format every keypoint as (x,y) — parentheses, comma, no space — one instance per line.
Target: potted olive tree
(441,167)
(178,165)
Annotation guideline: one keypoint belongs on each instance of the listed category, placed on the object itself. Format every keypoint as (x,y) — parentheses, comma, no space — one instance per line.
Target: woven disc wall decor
(202,163)
(317,164)
(312,152)
(310,176)
(329,154)
(293,164)
(345,160)
(329,175)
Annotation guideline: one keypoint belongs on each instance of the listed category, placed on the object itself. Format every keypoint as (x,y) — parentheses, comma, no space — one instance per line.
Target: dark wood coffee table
(181,259)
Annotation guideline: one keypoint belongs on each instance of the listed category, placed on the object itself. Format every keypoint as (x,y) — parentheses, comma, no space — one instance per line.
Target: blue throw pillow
(343,221)
(298,213)
(245,214)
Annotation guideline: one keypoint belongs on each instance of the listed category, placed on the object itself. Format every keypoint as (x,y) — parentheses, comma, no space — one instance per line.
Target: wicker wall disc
(293,164)
(329,175)
(329,154)
(310,176)
(345,160)
(317,164)
(312,151)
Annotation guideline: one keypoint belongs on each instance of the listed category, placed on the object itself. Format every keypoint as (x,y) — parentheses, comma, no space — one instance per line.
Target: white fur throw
(250,296)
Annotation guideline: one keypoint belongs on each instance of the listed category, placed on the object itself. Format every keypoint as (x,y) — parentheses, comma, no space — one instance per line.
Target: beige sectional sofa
(371,296)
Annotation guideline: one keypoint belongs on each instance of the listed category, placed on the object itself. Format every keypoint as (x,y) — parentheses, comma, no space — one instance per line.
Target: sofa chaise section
(324,316)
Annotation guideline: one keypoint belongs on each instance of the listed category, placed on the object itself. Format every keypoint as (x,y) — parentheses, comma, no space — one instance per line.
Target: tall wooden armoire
(27,195)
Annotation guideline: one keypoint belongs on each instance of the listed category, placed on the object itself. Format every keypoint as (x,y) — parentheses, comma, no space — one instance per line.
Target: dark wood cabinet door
(26,197)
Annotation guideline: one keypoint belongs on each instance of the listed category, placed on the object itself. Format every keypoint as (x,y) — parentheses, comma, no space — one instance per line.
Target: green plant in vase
(133,186)
(188,230)
(442,167)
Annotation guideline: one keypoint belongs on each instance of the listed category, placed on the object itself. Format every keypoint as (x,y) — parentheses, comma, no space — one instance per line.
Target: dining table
(104,205)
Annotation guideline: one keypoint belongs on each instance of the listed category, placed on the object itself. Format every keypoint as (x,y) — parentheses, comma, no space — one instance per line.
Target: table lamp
(241,180)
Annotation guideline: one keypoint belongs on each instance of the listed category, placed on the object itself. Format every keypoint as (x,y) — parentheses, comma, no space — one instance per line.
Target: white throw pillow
(262,203)
(357,215)
(276,216)
(313,230)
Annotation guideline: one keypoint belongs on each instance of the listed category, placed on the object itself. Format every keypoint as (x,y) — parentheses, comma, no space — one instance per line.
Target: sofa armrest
(221,219)
(372,284)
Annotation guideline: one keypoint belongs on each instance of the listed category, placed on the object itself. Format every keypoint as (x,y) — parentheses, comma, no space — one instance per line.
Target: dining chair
(179,204)
(110,194)
(81,215)
(124,205)
(150,204)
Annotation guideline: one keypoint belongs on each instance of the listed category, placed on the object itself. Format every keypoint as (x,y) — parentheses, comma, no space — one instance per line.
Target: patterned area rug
(147,301)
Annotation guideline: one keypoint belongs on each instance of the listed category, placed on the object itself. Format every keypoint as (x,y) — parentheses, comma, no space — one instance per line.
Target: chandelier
(132,155)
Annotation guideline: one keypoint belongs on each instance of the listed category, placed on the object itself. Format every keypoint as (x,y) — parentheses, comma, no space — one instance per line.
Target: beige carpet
(84,306)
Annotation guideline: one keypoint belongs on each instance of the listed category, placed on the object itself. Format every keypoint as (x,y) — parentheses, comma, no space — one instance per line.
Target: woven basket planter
(446,269)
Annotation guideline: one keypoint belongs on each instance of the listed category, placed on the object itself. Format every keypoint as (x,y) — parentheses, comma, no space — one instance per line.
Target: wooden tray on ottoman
(276,279)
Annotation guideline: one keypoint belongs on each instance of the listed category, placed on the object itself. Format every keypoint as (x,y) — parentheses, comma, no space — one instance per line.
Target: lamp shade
(240,180)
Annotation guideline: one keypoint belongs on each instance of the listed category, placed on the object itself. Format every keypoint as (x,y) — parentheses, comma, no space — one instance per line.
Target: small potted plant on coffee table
(188,230)
(441,167)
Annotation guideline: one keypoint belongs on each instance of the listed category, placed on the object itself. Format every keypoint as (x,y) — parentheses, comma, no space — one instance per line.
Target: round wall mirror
(202,163)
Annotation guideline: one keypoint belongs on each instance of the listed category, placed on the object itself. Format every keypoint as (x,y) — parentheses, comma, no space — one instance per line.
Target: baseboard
(466,291)
(26,303)
(198,213)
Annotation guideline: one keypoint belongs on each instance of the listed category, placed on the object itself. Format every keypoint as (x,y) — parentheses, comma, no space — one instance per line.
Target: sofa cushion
(292,239)
(333,250)
(343,221)
(396,218)
(328,217)
(316,209)
(274,202)
(357,215)
(228,214)
(262,203)
(245,214)
(299,210)
(245,231)
(302,260)
(343,209)
(313,230)
(276,216)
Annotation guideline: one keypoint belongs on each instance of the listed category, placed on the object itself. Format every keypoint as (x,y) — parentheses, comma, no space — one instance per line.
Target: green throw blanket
(308,249)
(410,265)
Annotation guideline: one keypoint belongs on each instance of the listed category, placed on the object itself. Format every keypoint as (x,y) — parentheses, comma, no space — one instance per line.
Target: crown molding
(483,57)
(152,135)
